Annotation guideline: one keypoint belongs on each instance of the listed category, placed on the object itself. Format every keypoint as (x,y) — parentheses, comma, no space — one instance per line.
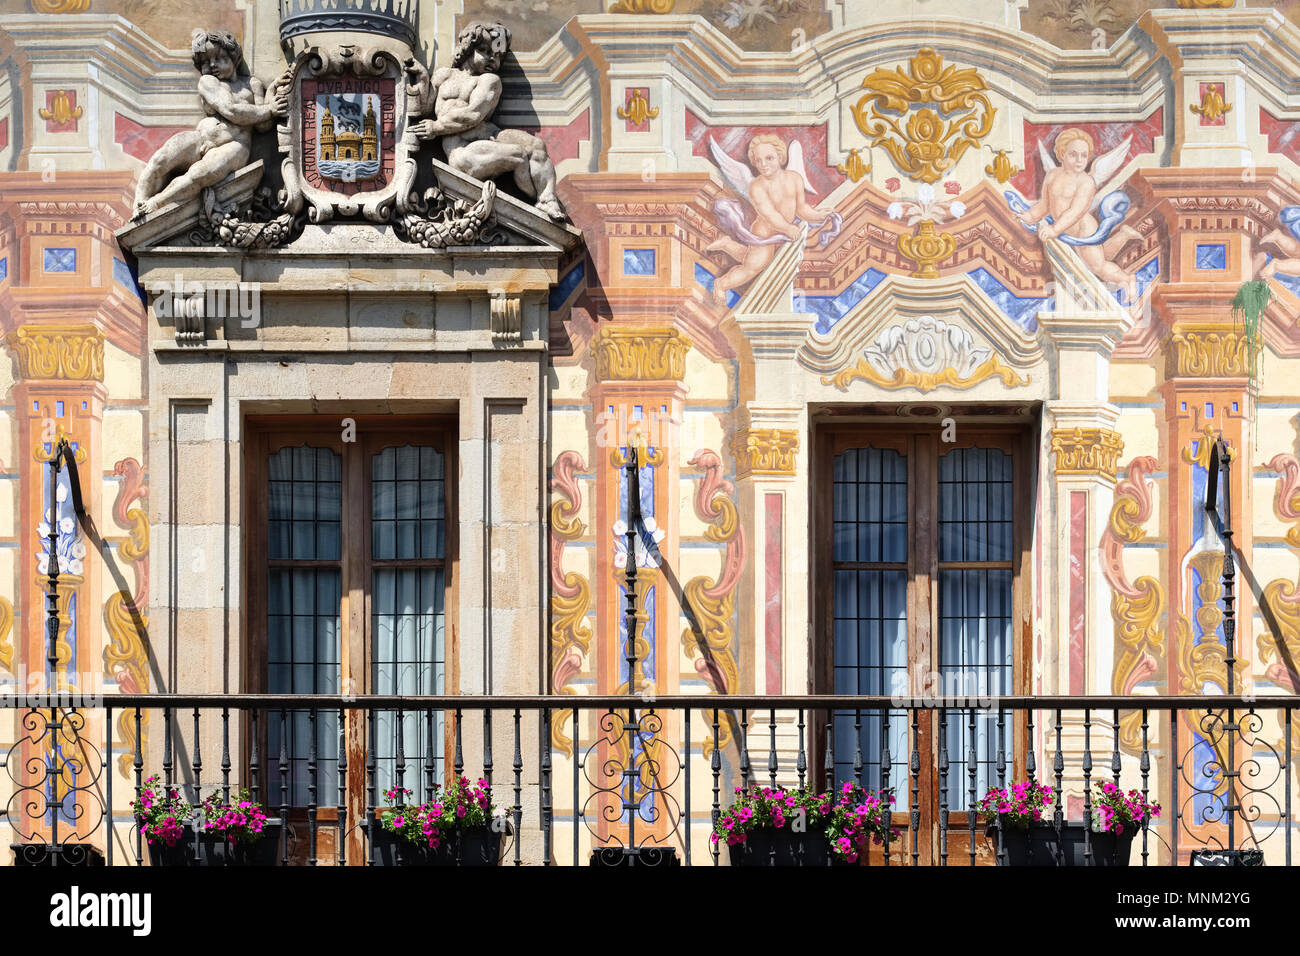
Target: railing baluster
(1115,765)
(1175,813)
(341,840)
(972,776)
(886,761)
(1058,811)
(914,807)
(828,764)
(519,789)
(716,766)
(167,748)
(1286,775)
(1031,745)
(771,750)
(458,757)
(547,809)
(859,765)
(744,750)
(685,767)
(1087,787)
(284,787)
(312,787)
(138,766)
(400,763)
(576,763)
(196,763)
(428,755)
(801,762)
(254,769)
(108,773)
(225,755)
(1144,764)
(487,748)
(372,786)
(1002,783)
(943,787)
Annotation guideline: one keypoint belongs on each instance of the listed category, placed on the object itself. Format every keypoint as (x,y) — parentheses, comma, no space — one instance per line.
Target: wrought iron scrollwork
(1218,792)
(56,773)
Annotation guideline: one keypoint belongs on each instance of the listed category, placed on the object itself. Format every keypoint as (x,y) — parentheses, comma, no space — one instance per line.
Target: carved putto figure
(461,98)
(235,103)
(779,206)
(1071,194)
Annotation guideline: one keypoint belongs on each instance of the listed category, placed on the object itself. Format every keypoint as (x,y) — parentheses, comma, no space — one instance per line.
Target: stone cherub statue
(461,98)
(236,104)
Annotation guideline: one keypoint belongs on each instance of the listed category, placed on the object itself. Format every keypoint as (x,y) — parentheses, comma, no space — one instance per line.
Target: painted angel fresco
(1076,207)
(1287,243)
(778,208)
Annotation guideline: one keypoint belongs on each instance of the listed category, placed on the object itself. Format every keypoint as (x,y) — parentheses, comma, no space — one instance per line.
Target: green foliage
(1248,307)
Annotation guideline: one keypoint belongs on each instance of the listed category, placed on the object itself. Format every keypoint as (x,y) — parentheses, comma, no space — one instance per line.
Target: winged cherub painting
(1076,207)
(778,208)
(1287,244)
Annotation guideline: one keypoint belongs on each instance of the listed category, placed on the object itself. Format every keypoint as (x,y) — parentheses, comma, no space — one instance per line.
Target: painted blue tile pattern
(638,262)
(1023,310)
(829,309)
(60,260)
(1211,256)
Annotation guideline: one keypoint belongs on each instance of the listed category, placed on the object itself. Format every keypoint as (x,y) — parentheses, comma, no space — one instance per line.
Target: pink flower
(893,184)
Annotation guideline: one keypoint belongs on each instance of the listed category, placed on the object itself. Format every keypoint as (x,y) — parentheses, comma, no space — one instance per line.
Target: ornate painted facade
(740,227)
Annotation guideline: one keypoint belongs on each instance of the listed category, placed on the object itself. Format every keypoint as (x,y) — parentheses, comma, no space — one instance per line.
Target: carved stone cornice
(71,352)
(768,452)
(1087,452)
(640,354)
(1208,352)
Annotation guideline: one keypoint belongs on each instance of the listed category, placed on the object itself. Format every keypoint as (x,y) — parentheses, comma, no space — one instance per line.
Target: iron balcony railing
(641,781)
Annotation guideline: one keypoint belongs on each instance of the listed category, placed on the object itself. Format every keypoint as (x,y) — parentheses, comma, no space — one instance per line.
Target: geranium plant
(1117,811)
(1021,806)
(458,805)
(240,822)
(161,812)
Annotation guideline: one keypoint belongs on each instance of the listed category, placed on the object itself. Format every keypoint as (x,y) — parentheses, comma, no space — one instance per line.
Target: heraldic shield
(346,151)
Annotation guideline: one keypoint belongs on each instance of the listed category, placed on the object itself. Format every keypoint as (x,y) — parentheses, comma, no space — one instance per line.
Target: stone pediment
(922,332)
(232,217)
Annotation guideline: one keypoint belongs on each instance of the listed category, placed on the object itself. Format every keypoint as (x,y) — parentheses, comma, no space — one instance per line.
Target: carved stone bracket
(506,318)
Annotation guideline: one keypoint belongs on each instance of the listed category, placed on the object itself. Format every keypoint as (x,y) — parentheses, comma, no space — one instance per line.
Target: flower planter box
(1038,846)
(471,846)
(213,850)
(782,848)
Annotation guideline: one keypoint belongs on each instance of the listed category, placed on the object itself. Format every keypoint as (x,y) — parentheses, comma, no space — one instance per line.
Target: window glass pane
(303,658)
(407,503)
(870,506)
(975,505)
(408,658)
(304,501)
(975,660)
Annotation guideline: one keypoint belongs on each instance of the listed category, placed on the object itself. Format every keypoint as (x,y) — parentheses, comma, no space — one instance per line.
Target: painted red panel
(4,132)
(772,591)
(562,141)
(734,140)
(140,141)
(1283,135)
(1105,136)
(1078,619)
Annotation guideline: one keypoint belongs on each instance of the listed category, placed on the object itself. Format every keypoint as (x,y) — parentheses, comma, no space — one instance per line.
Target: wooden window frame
(264,434)
(922,446)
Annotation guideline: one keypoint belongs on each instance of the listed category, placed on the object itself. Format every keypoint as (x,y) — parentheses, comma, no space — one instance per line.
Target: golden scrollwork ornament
(927,117)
